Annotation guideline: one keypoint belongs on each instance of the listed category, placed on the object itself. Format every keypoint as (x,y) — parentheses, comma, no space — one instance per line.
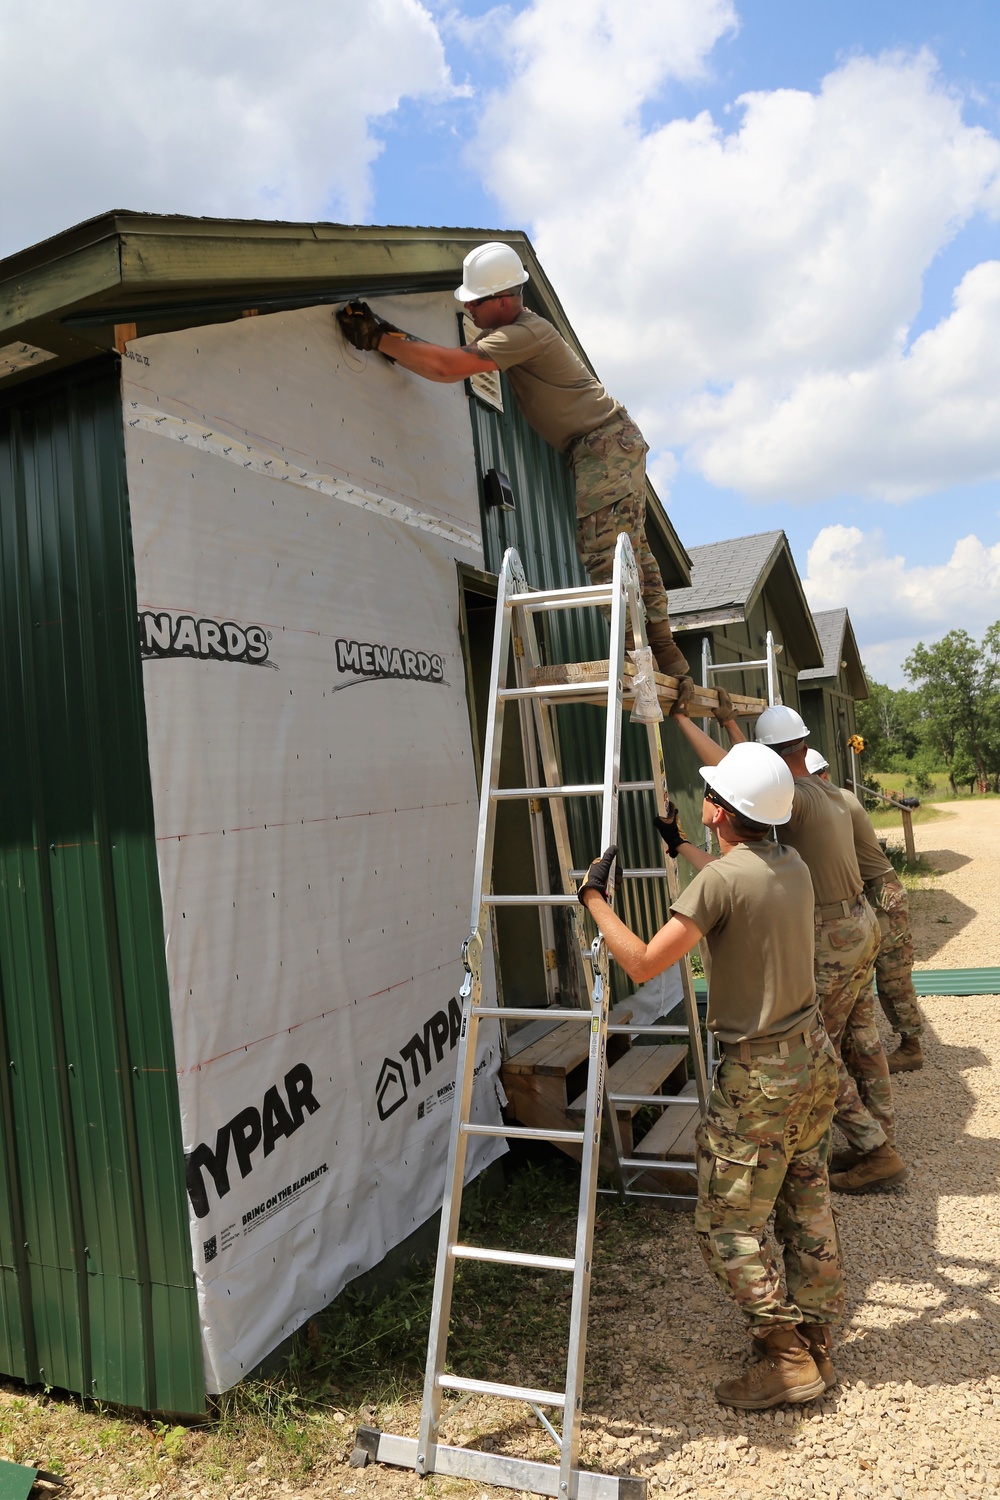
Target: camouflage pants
(845,967)
(609,466)
(894,965)
(763,1147)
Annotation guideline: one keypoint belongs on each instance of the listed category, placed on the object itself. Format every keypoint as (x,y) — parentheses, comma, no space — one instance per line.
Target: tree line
(948,720)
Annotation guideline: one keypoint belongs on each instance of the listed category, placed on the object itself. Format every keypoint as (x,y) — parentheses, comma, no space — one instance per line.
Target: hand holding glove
(599,874)
(363,328)
(725,713)
(670,830)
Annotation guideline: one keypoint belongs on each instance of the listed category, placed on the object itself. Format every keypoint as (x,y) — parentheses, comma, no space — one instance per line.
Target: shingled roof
(727,579)
(836,635)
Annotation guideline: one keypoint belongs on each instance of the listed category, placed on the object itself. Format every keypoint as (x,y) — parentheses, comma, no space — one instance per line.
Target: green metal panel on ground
(543,529)
(96,1285)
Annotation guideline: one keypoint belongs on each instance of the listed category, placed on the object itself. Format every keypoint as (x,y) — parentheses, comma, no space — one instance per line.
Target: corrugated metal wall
(543,529)
(96,1285)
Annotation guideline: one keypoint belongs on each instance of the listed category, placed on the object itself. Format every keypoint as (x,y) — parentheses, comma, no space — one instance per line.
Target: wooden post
(911,848)
(124,332)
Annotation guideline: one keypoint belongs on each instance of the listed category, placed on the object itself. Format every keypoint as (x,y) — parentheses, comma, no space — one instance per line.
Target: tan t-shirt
(552,386)
(871,856)
(755,907)
(822,831)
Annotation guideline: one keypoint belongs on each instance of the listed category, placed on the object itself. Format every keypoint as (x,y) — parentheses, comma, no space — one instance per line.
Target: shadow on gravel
(916,1311)
(935,918)
(944,861)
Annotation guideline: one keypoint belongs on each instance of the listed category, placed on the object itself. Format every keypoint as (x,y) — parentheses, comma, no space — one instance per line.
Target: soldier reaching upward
(846,942)
(764,1142)
(563,402)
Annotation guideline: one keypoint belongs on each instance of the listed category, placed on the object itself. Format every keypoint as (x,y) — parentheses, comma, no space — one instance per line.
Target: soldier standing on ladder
(563,402)
(846,942)
(764,1142)
(887,897)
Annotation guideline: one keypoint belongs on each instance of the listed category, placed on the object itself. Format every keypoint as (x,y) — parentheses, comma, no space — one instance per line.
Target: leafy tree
(958,685)
(888,721)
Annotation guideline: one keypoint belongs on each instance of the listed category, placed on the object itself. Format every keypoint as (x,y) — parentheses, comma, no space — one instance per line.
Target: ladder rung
(514,1258)
(512,793)
(627,874)
(661,1099)
(653,1164)
(578,594)
(509,1392)
(536,900)
(525,1133)
(635,786)
(649,1030)
(555,690)
(527,1013)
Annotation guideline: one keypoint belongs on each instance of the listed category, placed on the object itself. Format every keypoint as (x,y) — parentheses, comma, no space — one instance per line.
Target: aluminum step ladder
(517,606)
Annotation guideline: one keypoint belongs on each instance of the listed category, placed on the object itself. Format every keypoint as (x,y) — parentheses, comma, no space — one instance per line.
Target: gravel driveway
(917,1410)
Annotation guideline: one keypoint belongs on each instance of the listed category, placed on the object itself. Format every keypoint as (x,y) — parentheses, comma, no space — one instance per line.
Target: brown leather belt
(767,1046)
(838,909)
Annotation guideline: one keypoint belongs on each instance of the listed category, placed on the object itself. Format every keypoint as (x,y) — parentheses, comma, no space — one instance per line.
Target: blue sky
(774,224)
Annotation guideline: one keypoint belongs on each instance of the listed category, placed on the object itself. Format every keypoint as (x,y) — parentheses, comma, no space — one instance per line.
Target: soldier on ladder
(764,1143)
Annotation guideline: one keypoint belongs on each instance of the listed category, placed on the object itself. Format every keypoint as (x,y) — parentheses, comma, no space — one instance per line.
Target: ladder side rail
(569,1448)
(511,577)
(773,695)
(451,1208)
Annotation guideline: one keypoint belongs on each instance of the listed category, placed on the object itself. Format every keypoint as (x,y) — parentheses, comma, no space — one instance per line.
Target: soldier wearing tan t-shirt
(564,402)
(846,938)
(765,1139)
(887,896)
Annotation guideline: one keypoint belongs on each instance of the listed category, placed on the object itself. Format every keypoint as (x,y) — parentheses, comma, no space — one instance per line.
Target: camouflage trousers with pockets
(846,946)
(609,466)
(763,1147)
(894,964)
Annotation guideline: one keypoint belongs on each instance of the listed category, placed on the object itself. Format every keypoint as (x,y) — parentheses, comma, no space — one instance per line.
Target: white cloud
(892,605)
(749,291)
(238,108)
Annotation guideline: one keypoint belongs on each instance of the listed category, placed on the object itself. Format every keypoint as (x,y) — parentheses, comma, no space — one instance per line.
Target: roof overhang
(122,275)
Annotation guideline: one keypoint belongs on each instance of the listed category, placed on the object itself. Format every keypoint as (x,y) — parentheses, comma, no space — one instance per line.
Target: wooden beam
(124,333)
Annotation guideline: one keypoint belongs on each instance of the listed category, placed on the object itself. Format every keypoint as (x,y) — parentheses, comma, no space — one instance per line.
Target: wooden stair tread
(585,672)
(563,1049)
(662,1140)
(640,1071)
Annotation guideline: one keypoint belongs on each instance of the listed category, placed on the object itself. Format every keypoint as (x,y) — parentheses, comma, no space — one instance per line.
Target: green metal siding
(543,529)
(96,1285)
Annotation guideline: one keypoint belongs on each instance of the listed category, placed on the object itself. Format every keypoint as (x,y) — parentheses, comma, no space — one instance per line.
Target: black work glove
(598,874)
(670,830)
(362,327)
(725,713)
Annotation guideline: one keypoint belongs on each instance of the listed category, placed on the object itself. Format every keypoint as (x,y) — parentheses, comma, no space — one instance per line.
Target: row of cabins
(248,585)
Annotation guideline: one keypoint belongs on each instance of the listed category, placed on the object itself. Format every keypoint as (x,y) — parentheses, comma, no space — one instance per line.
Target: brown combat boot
(842,1161)
(670,659)
(819,1337)
(876,1170)
(785,1371)
(907,1057)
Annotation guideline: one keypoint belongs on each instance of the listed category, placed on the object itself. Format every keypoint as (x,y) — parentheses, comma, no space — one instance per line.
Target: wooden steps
(703,701)
(546,1087)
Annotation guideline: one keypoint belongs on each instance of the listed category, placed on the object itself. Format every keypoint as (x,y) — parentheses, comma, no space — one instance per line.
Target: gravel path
(955,923)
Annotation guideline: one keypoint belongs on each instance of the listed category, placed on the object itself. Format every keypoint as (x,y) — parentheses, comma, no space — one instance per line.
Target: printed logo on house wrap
(365,660)
(162,634)
(243,1142)
(425,1049)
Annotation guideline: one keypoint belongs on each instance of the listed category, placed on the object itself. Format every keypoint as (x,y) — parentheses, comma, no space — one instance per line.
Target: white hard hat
(816,762)
(489,269)
(780,725)
(755,782)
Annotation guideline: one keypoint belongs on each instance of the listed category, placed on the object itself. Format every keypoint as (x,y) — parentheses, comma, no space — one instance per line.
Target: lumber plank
(587,672)
(660,1141)
(563,1049)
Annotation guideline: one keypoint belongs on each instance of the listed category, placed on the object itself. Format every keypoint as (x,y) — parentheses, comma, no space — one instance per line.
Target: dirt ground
(917,1409)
